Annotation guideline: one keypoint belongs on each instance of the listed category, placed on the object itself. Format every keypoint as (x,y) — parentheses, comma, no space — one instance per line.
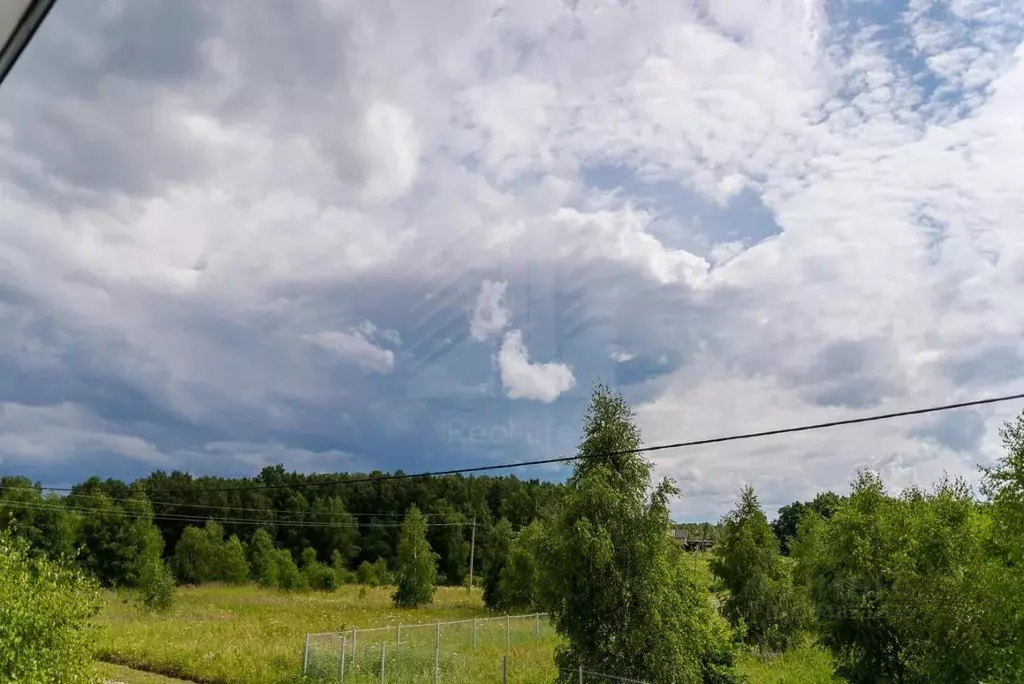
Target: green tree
(263,559)
(340,533)
(1003,486)
(117,538)
(234,569)
(448,540)
(785,525)
(612,579)
(416,567)
(287,572)
(761,596)
(45,612)
(44,522)
(519,585)
(195,557)
(902,586)
(498,549)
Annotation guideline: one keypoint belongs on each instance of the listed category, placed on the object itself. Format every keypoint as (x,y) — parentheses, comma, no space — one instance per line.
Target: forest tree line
(109,524)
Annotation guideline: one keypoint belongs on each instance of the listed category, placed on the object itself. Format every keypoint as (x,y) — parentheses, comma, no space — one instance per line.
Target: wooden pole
(472,553)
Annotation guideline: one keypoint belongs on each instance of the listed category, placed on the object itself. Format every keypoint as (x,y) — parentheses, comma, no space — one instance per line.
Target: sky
(343,235)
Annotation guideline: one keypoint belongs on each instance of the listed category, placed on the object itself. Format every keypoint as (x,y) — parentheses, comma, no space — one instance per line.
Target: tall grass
(236,635)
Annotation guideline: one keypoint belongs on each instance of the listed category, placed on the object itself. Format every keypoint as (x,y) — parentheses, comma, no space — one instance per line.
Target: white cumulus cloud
(524,380)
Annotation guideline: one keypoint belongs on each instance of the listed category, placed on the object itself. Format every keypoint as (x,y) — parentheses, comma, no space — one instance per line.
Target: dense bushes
(273,567)
(907,588)
(45,608)
(373,574)
(202,555)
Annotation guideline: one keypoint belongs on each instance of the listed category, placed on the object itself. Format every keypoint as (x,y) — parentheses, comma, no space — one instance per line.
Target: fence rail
(452,652)
(392,628)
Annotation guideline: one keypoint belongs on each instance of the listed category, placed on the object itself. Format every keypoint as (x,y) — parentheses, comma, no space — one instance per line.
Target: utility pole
(472,552)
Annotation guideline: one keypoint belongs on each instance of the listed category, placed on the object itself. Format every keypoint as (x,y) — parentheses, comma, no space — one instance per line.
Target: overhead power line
(184,504)
(609,454)
(202,519)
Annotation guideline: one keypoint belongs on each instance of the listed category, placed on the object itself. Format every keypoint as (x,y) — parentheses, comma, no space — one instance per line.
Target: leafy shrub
(373,574)
(156,586)
(45,609)
(288,575)
(340,567)
(318,575)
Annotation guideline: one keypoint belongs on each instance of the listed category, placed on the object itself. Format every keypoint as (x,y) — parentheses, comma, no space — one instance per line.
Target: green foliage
(156,585)
(42,521)
(761,596)
(901,586)
(115,538)
(416,567)
(234,568)
(202,555)
(286,572)
(519,584)
(45,613)
(449,542)
(194,557)
(617,587)
(499,548)
(785,526)
(1003,485)
(340,566)
(263,559)
(318,575)
(373,574)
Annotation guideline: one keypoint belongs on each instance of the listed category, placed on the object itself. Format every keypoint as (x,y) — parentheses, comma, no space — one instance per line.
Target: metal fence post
(305,655)
(504,670)
(437,653)
(474,632)
(398,635)
(508,631)
(383,650)
(536,626)
(341,667)
(355,634)
(581,674)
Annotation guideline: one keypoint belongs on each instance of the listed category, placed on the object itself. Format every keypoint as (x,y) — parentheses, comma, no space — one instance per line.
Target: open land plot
(229,635)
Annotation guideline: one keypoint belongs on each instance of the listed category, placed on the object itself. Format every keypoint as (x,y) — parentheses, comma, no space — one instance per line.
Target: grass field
(248,635)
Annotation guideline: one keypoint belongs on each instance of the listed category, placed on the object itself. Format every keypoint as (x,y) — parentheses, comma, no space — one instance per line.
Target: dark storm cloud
(992,363)
(961,431)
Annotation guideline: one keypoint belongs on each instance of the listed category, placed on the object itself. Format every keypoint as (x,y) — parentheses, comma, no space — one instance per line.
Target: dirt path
(118,674)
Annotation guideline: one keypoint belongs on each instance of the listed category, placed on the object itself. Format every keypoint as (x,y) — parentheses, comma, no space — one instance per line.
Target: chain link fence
(430,653)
